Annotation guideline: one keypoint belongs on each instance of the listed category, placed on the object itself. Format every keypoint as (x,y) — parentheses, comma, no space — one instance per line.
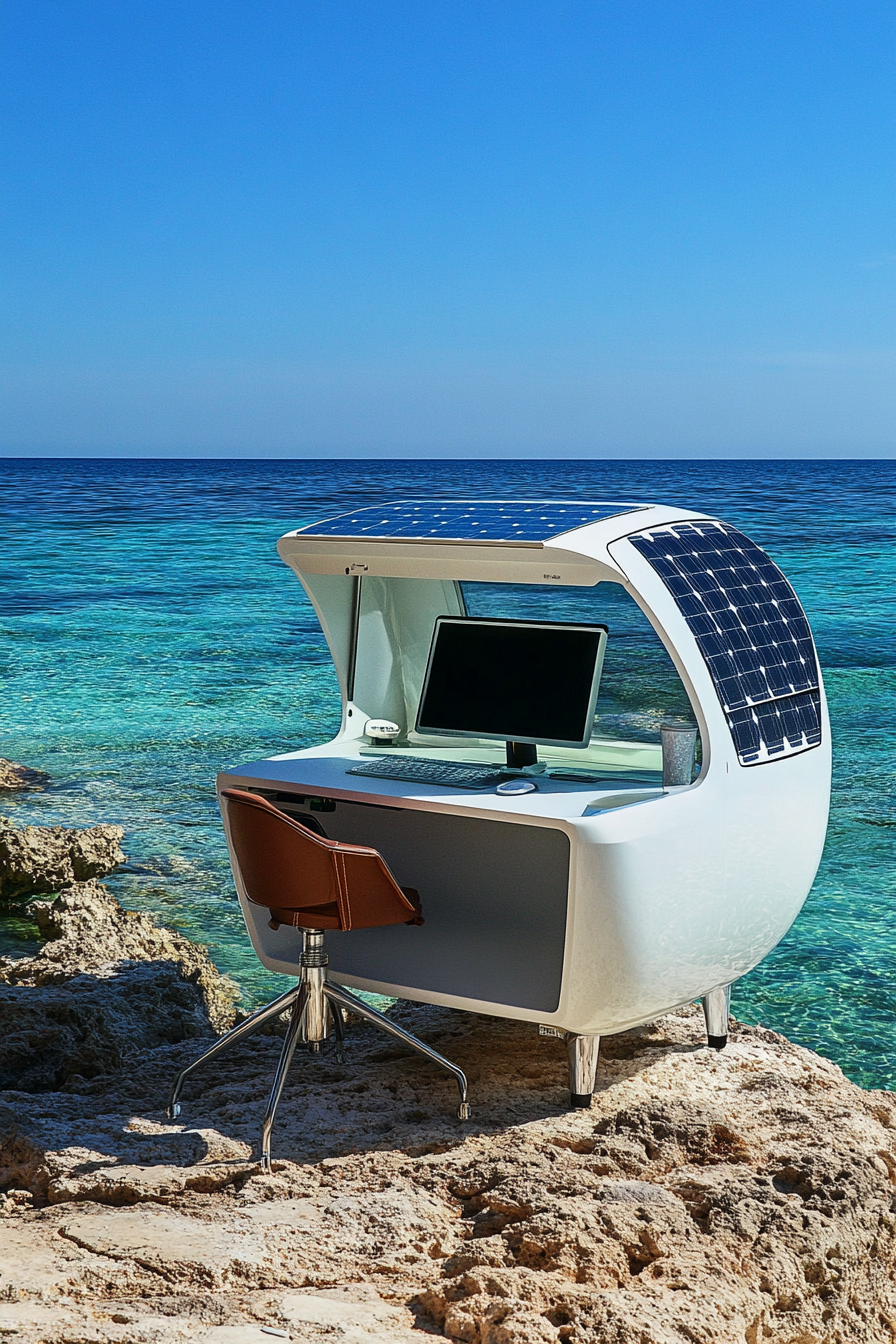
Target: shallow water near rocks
(149,636)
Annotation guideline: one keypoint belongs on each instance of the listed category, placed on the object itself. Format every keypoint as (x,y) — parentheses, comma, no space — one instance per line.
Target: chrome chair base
(236,1034)
(311,1003)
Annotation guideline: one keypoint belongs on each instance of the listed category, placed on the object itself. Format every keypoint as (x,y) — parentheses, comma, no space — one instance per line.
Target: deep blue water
(149,635)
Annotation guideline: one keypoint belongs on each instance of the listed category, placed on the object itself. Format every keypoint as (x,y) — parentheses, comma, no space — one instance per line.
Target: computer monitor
(516,681)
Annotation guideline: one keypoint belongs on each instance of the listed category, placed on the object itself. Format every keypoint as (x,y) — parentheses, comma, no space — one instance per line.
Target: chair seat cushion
(327,916)
(310,917)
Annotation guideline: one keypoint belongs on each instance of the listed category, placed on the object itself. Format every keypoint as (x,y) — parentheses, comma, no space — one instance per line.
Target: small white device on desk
(581,881)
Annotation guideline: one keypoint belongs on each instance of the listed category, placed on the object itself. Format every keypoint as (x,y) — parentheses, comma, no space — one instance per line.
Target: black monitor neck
(521,754)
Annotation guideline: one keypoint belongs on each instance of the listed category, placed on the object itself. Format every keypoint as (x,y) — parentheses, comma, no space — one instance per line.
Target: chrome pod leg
(258,1019)
(341,997)
(582,1052)
(286,1054)
(716,1010)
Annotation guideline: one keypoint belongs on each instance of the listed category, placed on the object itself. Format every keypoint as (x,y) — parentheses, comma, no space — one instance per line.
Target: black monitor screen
(522,681)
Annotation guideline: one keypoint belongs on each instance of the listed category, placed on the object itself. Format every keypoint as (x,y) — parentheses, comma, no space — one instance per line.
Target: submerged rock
(15,777)
(38,860)
(112,982)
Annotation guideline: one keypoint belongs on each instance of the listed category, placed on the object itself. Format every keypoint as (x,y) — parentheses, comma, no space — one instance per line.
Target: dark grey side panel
(494,900)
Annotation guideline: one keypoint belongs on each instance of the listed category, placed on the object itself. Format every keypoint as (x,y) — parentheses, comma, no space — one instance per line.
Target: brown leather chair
(313,884)
(308,881)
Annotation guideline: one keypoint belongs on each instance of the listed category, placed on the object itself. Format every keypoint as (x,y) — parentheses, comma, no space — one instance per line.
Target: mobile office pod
(606,895)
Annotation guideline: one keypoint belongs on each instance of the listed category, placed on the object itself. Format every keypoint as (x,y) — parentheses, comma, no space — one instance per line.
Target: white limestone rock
(746,1196)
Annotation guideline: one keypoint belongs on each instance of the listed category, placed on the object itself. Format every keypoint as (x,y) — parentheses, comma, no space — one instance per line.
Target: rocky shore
(747,1195)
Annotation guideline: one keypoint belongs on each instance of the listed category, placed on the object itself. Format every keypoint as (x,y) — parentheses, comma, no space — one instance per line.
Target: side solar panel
(750,628)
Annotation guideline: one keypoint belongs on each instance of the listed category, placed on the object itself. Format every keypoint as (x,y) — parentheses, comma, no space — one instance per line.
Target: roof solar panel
(751,630)
(460,520)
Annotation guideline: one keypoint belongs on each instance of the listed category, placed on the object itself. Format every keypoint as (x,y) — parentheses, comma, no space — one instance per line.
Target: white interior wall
(395,626)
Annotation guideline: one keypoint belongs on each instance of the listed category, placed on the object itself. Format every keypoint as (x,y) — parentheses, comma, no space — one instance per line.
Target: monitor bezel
(590,626)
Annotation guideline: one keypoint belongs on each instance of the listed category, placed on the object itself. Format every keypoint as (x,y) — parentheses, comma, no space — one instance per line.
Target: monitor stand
(521,754)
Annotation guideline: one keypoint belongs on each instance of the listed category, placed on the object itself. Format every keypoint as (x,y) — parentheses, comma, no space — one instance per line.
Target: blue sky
(605,229)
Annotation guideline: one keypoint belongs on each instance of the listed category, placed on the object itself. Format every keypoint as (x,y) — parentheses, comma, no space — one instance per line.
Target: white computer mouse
(516,786)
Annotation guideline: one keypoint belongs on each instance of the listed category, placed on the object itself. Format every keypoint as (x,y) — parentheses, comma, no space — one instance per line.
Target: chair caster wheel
(174,1110)
(463,1111)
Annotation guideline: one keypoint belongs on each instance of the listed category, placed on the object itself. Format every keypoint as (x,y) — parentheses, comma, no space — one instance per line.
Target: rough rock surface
(67,1034)
(113,983)
(743,1196)
(38,860)
(15,777)
(86,930)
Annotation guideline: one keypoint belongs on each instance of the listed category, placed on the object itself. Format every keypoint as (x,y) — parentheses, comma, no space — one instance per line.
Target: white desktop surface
(322,771)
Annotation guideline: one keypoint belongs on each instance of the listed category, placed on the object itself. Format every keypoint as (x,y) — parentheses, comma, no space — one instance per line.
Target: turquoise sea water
(149,635)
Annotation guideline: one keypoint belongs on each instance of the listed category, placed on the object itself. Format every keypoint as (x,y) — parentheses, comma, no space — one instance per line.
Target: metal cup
(679,748)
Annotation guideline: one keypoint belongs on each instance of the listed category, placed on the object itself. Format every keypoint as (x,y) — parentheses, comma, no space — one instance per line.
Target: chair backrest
(286,867)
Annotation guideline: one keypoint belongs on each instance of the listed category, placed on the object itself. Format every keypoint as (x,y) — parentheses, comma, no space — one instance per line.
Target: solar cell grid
(777,728)
(751,630)
(456,520)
